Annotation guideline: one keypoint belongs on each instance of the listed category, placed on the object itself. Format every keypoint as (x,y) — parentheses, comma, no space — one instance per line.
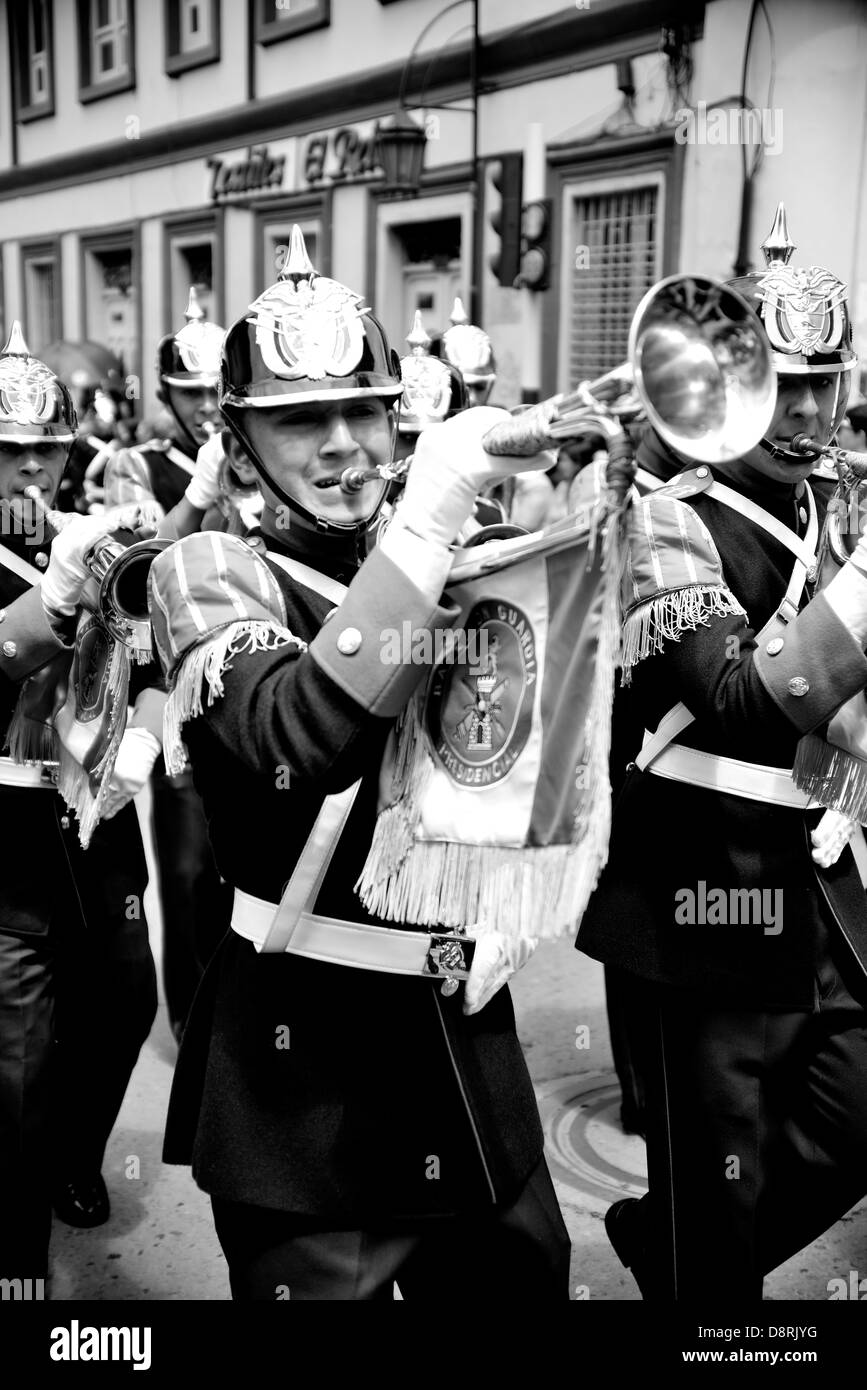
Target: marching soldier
(69,958)
(433,391)
(736,908)
(353,1123)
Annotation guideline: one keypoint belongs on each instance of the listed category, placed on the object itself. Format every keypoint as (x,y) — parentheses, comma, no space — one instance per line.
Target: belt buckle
(449,958)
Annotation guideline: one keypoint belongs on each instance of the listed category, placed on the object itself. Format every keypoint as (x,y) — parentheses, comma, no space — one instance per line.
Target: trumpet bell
(123,595)
(703,368)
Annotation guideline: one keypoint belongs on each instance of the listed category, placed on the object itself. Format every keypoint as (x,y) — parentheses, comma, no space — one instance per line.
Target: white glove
(67,573)
(495,961)
(449,468)
(203,488)
(831,835)
(139,750)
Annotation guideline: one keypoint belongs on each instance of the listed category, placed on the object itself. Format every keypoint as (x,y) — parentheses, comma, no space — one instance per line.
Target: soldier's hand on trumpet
(68,575)
(450,466)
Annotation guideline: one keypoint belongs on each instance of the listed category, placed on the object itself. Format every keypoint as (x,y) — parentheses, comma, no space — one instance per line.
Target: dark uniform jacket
(386,1102)
(36,882)
(153,471)
(45,871)
(670,836)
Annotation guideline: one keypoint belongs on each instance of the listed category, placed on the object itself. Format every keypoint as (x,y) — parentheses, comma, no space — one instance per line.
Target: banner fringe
(76,782)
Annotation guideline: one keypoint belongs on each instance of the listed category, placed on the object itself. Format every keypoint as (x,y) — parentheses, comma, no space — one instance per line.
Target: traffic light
(506,179)
(535,266)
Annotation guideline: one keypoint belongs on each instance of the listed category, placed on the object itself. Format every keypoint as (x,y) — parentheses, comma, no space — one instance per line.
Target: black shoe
(82,1202)
(622,1226)
(632,1122)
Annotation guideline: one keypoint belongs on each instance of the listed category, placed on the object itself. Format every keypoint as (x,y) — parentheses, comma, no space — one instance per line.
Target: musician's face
(38,463)
(306,448)
(195,406)
(805,405)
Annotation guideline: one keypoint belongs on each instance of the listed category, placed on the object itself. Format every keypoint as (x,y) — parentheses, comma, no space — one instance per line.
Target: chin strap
(320,523)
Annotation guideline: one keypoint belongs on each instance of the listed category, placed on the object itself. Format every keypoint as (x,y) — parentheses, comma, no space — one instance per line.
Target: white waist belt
(438,955)
(753,781)
(14,774)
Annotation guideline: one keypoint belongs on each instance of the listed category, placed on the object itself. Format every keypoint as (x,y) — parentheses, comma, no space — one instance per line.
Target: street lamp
(400,141)
(400,151)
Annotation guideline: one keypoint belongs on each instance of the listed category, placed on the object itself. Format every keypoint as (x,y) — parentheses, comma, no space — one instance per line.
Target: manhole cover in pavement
(584,1144)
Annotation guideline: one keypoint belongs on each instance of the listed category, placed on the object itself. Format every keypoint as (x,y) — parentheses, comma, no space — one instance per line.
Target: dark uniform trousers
(519,1251)
(757,1131)
(76,1004)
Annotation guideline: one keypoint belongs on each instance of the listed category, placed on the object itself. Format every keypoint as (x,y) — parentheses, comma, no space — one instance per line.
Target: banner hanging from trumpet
(495,799)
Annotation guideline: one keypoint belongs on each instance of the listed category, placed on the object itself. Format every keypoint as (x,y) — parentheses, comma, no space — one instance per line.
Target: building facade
(147,145)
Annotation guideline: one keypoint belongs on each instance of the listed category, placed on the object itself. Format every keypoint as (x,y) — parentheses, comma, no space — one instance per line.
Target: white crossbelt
(356,944)
(713,772)
(27,774)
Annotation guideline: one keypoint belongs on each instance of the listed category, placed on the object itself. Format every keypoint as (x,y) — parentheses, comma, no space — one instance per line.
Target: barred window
(616,239)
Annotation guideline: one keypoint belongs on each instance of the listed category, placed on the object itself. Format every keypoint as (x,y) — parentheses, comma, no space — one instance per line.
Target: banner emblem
(310,329)
(479,717)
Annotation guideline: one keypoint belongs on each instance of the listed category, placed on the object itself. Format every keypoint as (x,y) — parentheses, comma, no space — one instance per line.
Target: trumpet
(699,369)
(844,515)
(842,458)
(353,479)
(121,569)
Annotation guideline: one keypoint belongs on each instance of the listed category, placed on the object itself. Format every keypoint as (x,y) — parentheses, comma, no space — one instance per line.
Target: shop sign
(256,171)
(340,156)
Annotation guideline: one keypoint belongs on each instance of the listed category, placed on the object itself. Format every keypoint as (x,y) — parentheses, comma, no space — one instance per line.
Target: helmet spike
(418,337)
(459,313)
(297,265)
(194,311)
(16,344)
(778,245)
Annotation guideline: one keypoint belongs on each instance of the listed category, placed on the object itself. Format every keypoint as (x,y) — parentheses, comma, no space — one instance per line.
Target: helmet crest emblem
(309,329)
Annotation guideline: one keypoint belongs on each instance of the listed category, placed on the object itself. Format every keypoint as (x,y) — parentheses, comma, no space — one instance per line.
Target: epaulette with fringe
(673,580)
(211,598)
